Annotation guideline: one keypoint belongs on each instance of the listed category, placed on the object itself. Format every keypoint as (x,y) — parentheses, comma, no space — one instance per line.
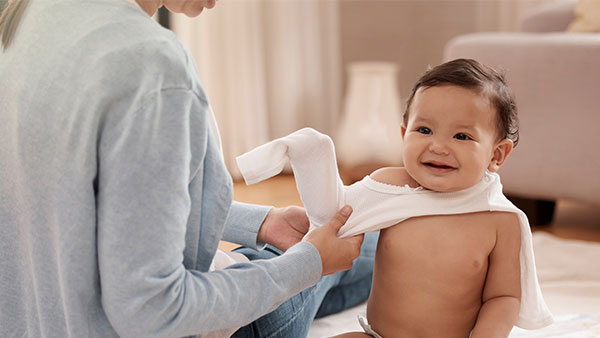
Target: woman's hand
(284,227)
(336,253)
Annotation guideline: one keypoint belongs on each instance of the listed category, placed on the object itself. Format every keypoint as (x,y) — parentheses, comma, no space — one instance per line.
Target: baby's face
(450,138)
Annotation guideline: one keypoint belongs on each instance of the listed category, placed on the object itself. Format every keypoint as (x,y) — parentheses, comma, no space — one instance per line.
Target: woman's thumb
(340,218)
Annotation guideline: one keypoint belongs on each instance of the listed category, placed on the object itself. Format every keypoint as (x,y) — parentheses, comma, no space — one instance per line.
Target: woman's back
(56,107)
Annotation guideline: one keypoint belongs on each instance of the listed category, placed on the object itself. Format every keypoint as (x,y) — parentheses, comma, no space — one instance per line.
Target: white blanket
(569,275)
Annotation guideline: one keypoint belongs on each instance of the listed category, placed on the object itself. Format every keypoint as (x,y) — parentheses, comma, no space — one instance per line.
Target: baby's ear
(500,154)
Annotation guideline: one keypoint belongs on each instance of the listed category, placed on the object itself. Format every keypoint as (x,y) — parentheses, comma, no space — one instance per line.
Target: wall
(413,32)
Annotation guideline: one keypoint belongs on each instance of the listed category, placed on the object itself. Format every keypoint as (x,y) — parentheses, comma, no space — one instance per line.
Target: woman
(114,195)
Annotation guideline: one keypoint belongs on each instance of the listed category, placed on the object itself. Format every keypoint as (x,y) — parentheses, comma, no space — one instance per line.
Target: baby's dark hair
(471,74)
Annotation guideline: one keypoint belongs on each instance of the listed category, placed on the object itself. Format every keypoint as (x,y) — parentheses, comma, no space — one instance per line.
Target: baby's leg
(312,156)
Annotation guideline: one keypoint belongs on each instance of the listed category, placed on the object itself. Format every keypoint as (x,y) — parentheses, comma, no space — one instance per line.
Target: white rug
(569,274)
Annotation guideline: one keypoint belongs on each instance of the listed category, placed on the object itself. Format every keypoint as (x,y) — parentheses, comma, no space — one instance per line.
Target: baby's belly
(421,315)
(429,282)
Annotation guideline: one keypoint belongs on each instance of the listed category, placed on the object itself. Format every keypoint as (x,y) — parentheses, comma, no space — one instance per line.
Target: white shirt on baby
(379,205)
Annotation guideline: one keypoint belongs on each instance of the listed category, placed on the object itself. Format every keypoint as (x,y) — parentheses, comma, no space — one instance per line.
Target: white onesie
(379,205)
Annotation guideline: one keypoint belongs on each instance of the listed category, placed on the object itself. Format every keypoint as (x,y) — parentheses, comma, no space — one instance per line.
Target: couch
(556,80)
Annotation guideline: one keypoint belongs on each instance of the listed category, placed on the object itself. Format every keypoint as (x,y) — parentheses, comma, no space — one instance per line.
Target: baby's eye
(424,130)
(462,137)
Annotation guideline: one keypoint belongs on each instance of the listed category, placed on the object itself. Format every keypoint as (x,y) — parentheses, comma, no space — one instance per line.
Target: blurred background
(273,66)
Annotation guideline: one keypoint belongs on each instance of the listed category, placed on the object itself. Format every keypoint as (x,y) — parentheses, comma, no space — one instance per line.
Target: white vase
(369,135)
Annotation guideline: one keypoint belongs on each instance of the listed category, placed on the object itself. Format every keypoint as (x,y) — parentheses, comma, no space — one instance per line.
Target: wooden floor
(572,219)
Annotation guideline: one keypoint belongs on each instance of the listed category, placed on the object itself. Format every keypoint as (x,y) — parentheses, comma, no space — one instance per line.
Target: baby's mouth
(438,166)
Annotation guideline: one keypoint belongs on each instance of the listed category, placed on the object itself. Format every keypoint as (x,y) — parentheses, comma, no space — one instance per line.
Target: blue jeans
(333,293)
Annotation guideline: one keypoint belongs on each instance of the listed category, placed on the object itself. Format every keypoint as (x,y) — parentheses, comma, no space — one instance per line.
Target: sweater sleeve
(143,206)
(243,222)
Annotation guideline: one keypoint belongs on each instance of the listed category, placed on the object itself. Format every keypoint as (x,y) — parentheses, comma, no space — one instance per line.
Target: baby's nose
(439,148)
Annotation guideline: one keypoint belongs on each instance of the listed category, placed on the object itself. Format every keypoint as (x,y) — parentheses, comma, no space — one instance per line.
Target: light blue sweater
(113,194)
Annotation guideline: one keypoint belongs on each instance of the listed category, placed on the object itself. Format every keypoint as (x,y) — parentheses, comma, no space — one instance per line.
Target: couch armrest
(555,78)
(553,17)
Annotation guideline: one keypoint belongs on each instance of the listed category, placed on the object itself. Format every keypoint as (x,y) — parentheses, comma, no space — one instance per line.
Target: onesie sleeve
(312,157)
(145,165)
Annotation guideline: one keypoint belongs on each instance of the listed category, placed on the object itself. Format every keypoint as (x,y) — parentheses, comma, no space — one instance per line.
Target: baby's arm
(502,291)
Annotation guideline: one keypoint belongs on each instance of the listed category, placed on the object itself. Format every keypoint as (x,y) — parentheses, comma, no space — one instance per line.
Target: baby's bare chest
(455,246)
(429,274)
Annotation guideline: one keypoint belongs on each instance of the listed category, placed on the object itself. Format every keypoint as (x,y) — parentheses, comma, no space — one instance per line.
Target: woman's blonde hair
(10,19)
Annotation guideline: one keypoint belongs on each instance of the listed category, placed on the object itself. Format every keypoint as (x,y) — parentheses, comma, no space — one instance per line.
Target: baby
(454,256)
